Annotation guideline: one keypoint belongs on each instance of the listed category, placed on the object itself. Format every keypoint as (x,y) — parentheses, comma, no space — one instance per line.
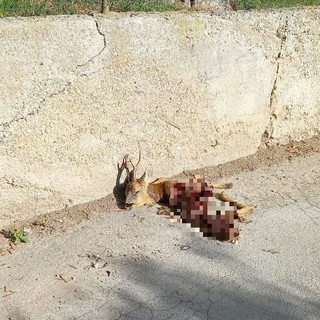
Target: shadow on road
(231,290)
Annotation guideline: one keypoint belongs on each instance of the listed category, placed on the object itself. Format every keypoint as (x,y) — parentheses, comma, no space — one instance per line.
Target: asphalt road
(138,265)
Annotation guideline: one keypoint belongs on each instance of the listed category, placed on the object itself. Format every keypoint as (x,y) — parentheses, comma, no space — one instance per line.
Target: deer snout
(129,202)
(129,205)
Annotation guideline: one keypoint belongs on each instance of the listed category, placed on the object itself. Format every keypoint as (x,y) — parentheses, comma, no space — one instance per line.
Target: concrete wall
(191,90)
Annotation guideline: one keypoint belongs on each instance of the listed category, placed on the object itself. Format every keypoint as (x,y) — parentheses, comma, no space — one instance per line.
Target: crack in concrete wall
(16,182)
(97,25)
(5,126)
(281,33)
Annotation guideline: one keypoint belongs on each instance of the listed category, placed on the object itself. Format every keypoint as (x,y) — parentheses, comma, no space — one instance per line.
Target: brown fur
(140,192)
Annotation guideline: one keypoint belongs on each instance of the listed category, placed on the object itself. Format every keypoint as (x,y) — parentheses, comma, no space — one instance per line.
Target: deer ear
(145,177)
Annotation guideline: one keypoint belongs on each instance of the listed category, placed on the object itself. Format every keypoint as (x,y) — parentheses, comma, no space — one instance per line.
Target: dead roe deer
(139,191)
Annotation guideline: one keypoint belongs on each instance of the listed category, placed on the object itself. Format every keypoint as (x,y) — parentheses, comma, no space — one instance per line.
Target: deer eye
(137,192)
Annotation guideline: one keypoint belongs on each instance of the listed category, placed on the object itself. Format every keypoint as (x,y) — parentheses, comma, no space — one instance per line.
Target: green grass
(263,4)
(141,5)
(16,235)
(51,7)
(42,7)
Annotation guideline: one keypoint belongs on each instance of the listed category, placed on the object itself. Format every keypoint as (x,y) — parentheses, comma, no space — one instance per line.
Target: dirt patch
(264,157)
(59,221)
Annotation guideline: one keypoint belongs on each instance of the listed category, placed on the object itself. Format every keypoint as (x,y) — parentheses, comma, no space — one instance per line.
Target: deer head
(137,189)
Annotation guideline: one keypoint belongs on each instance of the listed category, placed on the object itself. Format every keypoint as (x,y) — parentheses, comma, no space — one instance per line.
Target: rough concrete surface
(295,101)
(151,268)
(191,90)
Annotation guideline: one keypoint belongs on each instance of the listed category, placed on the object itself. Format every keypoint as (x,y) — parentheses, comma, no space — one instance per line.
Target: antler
(135,167)
(131,175)
(124,165)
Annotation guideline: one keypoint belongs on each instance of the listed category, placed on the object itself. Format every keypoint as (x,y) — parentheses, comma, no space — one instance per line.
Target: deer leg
(215,185)
(242,209)
(221,185)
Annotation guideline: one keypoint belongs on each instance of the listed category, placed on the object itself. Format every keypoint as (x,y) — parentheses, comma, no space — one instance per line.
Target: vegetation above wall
(263,4)
(52,7)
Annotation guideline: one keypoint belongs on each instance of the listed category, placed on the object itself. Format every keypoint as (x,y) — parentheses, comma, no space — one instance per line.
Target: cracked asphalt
(139,265)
